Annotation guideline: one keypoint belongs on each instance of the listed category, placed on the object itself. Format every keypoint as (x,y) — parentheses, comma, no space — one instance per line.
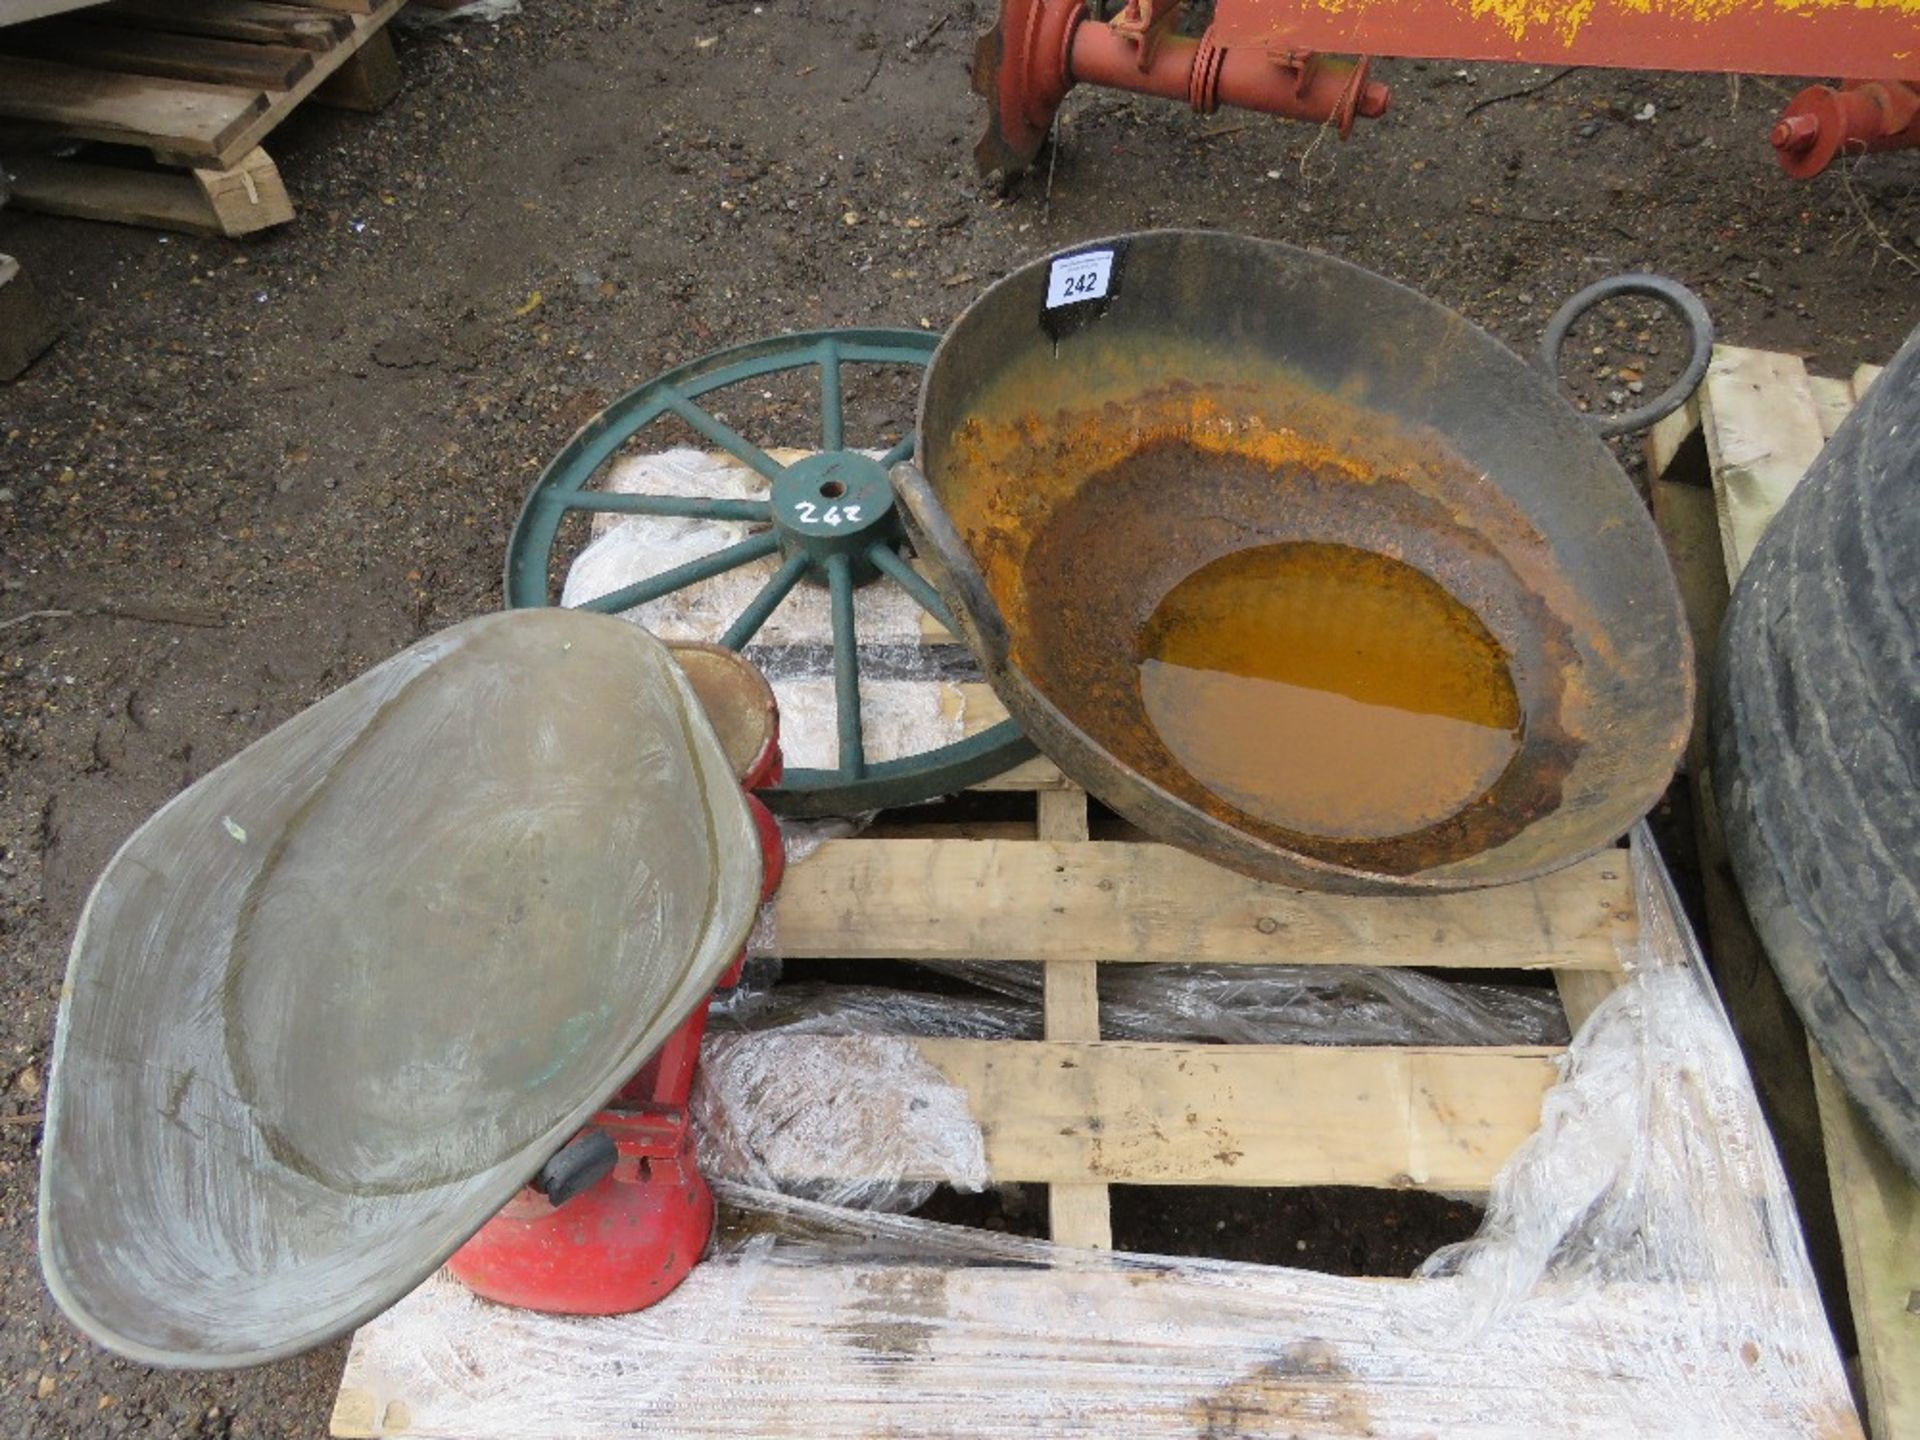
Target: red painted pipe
(1821,123)
(1315,88)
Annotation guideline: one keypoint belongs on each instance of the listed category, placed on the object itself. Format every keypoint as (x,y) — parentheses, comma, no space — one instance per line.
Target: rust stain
(1306,1384)
(1084,521)
(897,1315)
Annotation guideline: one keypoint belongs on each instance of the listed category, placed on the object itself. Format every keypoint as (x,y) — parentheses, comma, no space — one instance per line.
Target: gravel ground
(252,469)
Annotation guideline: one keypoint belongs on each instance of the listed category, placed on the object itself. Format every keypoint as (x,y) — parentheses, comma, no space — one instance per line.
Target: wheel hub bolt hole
(833,489)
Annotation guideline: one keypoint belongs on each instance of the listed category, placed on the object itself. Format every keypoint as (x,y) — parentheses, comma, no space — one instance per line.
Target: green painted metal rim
(563,488)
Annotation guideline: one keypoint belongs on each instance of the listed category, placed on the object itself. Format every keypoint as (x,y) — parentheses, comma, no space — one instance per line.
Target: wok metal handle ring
(1678,298)
(935,538)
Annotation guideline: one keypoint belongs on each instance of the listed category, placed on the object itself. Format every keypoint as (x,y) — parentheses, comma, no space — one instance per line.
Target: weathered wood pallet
(1752,430)
(198,84)
(1080,1113)
(825,1345)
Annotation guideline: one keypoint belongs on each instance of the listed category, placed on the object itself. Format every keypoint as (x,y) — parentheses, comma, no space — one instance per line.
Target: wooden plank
(156,52)
(1834,398)
(1690,529)
(1670,434)
(1038,773)
(1769,1031)
(1692,522)
(27,326)
(1878,1207)
(977,708)
(915,1351)
(364,28)
(254,20)
(1119,901)
(240,201)
(369,79)
(1581,992)
(1127,1112)
(1762,425)
(1864,377)
(1078,1214)
(192,118)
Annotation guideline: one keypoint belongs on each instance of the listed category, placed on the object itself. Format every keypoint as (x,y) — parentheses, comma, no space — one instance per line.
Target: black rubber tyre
(1816,750)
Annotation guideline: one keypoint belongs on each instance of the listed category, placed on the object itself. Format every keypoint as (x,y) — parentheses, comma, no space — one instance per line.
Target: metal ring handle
(932,532)
(1677,298)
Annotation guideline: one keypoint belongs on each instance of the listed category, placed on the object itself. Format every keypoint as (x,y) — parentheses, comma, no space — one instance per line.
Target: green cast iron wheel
(830,516)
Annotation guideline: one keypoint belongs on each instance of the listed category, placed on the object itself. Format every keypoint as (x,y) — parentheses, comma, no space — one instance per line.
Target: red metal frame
(1875,39)
(629,1239)
(1267,55)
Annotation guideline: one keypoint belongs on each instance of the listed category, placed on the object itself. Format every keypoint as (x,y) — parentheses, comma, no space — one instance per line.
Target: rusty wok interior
(1298,569)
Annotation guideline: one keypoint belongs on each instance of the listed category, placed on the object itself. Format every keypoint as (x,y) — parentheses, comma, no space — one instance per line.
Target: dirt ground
(253,469)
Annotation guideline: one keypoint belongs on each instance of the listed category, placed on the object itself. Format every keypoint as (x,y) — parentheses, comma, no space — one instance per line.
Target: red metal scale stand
(632,1218)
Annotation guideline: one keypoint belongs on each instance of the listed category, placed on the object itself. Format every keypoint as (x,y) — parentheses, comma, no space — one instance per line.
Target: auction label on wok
(1078,278)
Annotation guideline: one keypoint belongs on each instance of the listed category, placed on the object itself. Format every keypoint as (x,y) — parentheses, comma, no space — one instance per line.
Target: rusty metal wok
(1086,444)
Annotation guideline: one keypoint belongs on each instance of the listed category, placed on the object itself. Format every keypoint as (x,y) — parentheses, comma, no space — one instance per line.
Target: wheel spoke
(902,451)
(888,561)
(679,507)
(681,576)
(723,435)
(846,668)
(766,602)
(833,415)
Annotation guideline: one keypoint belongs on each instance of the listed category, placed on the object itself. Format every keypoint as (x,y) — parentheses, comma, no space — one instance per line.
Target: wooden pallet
(1752,429)
(198,84)
(1079,1113)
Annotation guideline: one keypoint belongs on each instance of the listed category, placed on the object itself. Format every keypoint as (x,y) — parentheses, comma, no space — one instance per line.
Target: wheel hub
(831,518)
(838,502)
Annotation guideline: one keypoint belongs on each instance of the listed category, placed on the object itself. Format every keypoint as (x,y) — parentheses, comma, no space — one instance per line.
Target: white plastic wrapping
(900,714)
(895,1125)
(1639,1274)
(762,1107)
(1296,1004)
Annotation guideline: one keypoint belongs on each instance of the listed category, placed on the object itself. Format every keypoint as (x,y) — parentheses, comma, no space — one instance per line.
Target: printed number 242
(812,514)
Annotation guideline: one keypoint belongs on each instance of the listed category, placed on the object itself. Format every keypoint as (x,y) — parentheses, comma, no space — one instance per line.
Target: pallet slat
(1120,901)
(195,119)
(239,201)
(1077,1214)
(255,20)
(1878,1209)
(156,52)
(912,1351)
(1763,430)
(1129,1112)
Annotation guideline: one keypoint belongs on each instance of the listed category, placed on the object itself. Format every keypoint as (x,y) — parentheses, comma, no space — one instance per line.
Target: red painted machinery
(620,1215)
(1271,56)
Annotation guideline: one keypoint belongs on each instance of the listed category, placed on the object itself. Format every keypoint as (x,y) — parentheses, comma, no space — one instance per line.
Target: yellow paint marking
(1566,20)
